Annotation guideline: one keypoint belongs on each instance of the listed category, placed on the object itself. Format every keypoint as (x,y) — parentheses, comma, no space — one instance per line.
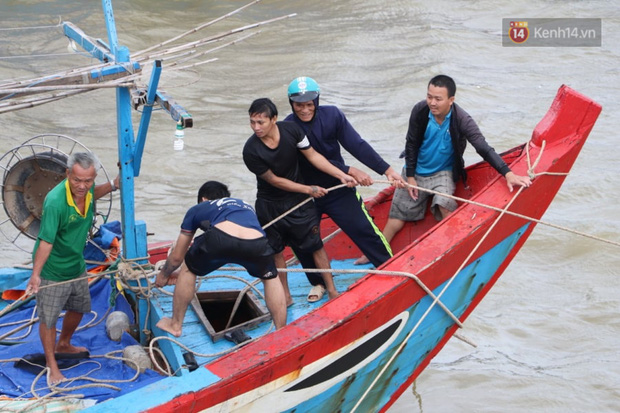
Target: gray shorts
(73,296)
(406,209)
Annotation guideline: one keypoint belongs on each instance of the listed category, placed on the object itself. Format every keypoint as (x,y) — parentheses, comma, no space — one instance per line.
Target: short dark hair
(444,81)
(263,106)
(213,190)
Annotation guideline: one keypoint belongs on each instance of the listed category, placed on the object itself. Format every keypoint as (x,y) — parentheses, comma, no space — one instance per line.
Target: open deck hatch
(215,307)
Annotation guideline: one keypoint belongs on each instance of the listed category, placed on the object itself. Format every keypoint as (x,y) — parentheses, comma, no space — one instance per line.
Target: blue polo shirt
(208,213)
(436,153)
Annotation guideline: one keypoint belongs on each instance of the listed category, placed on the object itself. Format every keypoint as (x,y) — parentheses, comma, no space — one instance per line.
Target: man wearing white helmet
(328,129)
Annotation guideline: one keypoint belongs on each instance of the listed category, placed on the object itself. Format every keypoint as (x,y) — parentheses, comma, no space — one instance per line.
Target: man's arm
(394,177)
(324,165)
(413,139)
(106,188)
(474,136)
(513,180)
(360,176)
(40,258)
(353,143)
(365,180)
(175,258)
(291,186)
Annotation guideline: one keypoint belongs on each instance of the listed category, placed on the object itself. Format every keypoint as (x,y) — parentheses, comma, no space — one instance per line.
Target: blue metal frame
(130,150)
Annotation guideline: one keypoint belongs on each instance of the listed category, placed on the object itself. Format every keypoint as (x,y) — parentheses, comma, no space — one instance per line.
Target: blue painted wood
(458,296)
(158,393)
(141,243)
(126,157)
(108,13)
(143,305)
(111,70)
(177,112)
(84,41)
(146,116)
(195,335)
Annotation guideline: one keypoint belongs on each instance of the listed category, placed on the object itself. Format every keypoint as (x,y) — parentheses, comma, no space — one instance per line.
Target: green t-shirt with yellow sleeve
(63,226)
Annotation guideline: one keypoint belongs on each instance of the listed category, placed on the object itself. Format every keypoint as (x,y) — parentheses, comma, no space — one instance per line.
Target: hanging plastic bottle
(179,135)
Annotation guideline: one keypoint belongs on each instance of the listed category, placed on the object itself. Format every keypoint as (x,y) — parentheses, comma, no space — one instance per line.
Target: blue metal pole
(131,245)
(146,116)
(111,25)
(134,233)
(134,245)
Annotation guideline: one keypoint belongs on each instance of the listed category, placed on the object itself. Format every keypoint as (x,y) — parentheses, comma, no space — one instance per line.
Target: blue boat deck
(195,336)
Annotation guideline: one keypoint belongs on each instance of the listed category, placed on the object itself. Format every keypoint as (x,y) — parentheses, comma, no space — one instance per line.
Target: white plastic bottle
(179,136)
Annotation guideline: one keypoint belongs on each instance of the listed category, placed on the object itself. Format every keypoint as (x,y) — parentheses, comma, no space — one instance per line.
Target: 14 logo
(518,32)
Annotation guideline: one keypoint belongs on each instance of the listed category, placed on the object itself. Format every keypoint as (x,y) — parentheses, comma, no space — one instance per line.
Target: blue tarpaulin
(16,382)
(103,238)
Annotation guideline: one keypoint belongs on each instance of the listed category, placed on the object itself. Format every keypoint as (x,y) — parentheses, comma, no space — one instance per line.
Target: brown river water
(548,334)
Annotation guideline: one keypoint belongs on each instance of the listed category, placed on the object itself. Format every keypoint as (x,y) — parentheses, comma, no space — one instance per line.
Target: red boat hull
(331,349)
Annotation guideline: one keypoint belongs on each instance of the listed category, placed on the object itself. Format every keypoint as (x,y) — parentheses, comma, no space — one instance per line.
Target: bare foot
(166,325)
(333,294)
(361,260)
(69,348)
(54,378)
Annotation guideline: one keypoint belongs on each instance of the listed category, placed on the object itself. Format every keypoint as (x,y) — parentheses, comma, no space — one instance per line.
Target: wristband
(114,188)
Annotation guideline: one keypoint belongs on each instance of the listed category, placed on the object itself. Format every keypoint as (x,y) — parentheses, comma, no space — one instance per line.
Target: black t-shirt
(282,161)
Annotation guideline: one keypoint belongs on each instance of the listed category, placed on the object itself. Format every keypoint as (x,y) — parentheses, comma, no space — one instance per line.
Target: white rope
(435,301)
(369,271)
(6,29)
(36,56)
(276,219)
(515,214)
(456,273)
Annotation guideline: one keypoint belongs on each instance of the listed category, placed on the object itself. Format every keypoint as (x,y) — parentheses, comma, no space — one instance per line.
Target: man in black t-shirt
(271,154)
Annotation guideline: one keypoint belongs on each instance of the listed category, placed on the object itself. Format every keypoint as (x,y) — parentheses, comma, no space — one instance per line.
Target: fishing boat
(357,352)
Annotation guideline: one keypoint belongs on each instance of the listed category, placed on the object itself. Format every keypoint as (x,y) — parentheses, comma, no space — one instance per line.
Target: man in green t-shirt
(58,256)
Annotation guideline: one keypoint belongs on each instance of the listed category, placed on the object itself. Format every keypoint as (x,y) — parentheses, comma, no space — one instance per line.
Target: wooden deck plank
(195,336)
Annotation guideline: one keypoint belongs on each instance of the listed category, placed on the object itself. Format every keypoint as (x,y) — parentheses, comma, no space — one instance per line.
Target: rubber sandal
(316,293)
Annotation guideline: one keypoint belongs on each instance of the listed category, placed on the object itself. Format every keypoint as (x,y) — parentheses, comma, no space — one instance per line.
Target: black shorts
(300,229)
(216,248)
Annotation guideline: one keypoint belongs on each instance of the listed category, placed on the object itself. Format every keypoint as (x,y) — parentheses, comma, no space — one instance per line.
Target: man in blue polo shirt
(232,234)
(438,133)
